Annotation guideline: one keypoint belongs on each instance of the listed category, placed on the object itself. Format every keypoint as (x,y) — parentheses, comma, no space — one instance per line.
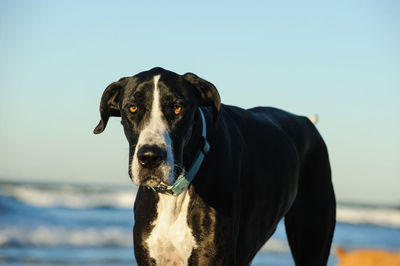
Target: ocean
(66,224)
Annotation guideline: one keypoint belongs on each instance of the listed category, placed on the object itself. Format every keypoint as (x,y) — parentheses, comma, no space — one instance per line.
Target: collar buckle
(206,146)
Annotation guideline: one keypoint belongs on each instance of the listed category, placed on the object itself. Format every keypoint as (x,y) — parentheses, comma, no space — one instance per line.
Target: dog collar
(184,181)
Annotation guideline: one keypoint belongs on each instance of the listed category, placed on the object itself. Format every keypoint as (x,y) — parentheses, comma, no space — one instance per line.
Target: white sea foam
(94,237)
(275,245)
(369,215)
(59,235)
(71,196)
(92,197)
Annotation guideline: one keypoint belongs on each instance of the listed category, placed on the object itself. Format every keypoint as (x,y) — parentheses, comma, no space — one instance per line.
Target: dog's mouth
(155,182)
(152,177)
(151,181)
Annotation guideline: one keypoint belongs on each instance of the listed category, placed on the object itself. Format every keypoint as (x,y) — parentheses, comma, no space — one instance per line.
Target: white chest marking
(171,241)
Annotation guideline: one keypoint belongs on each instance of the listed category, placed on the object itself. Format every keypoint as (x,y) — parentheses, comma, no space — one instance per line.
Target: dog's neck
(172,204)
(195,142)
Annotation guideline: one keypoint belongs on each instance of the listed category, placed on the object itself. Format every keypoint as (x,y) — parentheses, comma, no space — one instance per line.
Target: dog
(215,180)
(367,257)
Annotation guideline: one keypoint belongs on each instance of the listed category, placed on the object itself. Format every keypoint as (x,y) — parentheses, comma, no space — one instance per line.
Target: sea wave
(276,245)
(60,236)
(369,215)
(87,237)
(90,196)
(70,196)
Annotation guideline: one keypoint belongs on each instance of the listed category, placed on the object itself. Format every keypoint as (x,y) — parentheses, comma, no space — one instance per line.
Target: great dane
(215,180)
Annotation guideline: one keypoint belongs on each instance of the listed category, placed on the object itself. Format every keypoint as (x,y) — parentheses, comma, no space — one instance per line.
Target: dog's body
(264,164)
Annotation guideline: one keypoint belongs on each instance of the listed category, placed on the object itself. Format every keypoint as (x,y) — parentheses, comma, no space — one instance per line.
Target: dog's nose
(150,156)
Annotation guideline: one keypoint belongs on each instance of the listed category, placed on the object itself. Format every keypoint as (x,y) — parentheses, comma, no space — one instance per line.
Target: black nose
(150,156)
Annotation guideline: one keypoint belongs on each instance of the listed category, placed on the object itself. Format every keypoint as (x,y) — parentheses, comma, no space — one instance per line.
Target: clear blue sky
(339,59)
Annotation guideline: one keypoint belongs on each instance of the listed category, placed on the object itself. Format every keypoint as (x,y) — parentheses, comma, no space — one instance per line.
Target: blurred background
(65,194)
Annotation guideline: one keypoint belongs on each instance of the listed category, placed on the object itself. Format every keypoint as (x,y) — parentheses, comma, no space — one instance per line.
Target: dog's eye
(133,108)
(177,109)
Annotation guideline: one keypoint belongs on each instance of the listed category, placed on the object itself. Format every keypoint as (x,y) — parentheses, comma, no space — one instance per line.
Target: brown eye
(133,108)
(177,109)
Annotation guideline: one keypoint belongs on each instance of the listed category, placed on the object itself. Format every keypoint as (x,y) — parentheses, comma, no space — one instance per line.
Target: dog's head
(158,110)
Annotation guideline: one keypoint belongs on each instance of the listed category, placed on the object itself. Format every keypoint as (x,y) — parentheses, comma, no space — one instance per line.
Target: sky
(337,59)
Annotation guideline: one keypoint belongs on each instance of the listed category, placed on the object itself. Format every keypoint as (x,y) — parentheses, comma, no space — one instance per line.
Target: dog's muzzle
(151,156)
(152,163)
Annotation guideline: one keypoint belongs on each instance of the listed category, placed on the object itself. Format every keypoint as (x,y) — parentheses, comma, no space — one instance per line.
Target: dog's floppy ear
(109,104)
(207,92)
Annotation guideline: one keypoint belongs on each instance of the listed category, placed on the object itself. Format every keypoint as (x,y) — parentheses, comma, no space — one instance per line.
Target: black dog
(215,179)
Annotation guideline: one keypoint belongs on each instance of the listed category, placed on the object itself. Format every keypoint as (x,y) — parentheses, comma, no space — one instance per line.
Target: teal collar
(183,181)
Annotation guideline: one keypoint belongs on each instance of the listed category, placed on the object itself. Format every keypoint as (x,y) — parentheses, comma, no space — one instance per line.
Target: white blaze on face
(155,132)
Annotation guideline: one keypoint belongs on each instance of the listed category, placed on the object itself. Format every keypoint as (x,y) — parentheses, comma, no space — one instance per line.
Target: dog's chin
(150,181)
(156,178)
